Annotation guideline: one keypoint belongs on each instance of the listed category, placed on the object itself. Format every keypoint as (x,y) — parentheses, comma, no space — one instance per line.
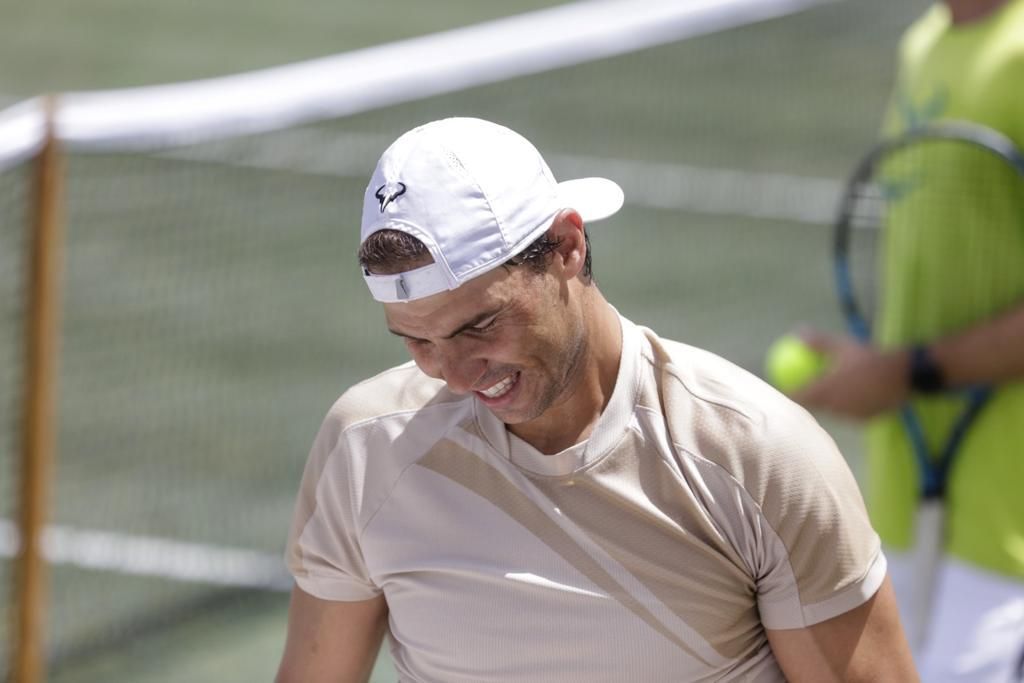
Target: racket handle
(929,542)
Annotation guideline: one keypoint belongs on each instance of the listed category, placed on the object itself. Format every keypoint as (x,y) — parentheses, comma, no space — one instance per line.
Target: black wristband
(925,374)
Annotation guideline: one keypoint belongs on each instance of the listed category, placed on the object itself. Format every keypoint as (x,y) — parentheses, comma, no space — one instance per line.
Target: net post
(45,259)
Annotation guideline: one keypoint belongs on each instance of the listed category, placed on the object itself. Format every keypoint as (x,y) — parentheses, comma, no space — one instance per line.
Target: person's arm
(330,640)
(864,644)
(863,381)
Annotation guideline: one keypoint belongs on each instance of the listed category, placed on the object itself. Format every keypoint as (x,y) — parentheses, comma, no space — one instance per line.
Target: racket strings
(934,242)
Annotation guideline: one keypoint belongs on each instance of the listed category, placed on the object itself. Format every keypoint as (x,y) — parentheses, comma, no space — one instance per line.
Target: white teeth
(500,388)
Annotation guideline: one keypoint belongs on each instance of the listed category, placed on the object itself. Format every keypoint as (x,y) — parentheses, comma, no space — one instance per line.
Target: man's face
(512,337)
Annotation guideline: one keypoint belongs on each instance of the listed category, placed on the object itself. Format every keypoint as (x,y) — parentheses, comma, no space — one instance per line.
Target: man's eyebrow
(473,322)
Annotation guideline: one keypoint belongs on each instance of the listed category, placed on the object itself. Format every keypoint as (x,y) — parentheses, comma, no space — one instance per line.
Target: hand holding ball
(791,364)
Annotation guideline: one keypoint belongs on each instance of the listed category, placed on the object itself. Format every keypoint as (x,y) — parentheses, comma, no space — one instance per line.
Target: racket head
(898,196)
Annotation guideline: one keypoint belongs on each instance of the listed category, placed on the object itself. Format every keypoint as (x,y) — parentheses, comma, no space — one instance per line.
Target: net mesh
(212,310)
(197,325)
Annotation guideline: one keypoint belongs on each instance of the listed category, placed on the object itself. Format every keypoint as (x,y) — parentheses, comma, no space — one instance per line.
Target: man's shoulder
(401,390)
(711,380)
(381,425)
(722,413)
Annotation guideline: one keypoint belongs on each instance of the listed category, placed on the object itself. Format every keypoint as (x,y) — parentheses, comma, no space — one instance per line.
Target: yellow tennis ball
(790,364)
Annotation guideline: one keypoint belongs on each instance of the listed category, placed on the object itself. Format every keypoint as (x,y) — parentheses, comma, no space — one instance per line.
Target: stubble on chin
(568,381)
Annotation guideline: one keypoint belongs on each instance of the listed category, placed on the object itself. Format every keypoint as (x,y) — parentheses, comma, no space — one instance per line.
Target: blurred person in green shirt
(962,60)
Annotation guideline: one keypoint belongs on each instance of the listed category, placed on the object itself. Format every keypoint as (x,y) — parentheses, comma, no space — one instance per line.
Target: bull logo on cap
(389,192)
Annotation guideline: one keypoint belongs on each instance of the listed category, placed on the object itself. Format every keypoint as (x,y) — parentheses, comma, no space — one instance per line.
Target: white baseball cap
(476,194)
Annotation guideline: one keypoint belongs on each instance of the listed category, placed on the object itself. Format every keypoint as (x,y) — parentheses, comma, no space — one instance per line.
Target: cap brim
(593,198)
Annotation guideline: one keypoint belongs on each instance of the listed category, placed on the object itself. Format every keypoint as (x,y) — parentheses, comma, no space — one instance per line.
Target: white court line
(155,557)
(673,186)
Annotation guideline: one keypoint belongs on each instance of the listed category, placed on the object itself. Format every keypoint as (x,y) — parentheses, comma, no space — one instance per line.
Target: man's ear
(571,253)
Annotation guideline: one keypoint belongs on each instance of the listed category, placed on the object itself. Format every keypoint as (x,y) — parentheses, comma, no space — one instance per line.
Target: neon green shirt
(940,280)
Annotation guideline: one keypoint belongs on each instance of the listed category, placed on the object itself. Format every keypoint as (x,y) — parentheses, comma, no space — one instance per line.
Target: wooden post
(46,246)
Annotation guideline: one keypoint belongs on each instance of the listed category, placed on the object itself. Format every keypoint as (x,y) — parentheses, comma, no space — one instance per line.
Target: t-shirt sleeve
(817,555)
(323,551)
(779,492)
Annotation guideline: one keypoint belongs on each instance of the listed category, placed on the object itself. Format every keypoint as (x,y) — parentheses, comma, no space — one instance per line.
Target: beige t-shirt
(704,508)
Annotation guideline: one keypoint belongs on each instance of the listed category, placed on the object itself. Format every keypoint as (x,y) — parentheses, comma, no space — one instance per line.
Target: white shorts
(976,631)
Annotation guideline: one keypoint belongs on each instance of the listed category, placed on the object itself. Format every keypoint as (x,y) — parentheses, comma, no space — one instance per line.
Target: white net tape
(363,80)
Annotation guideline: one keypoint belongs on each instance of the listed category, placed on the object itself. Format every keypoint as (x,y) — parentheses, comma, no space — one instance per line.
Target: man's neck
(967,11)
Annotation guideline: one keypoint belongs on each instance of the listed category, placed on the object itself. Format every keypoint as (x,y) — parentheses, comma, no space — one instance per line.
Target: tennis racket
(917,255)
